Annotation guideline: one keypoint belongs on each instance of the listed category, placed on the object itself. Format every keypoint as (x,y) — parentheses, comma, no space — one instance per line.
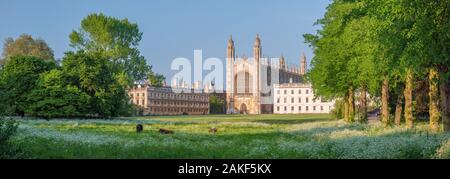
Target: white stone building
(298,98)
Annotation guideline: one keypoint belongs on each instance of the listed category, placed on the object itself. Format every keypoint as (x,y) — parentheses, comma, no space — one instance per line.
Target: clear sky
(174,28)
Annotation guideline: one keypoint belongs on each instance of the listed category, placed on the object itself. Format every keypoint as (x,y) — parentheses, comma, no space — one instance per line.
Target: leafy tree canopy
(18,78)
(115,39)
(26,45)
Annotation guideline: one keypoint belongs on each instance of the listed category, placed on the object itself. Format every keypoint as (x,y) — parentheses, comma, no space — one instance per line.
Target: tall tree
(418,31)
(408,40)
(344,56)
(432,37)
(115,39)
(92,73)
(26,45)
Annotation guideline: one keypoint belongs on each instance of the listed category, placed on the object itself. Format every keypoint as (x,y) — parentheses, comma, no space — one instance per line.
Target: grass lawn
(239,136)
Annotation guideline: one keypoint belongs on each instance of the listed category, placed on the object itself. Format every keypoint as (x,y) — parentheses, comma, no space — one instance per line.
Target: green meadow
(237,137)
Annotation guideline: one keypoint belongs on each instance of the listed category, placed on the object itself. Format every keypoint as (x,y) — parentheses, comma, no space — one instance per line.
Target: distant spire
(303,64)
(230,41)
(257,41)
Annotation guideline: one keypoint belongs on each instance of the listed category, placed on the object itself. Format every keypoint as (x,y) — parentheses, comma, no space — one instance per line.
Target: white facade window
(294,92)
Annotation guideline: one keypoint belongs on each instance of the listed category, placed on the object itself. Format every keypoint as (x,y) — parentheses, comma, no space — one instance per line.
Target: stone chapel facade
(249,81)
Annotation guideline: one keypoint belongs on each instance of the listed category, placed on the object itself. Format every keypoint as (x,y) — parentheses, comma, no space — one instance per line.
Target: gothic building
(250,81)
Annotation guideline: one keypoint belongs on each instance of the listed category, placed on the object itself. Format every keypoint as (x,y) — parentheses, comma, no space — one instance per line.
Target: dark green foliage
(216,105)
(93,75)
(18,79)
(84,86)
(54,98)
(8,148)
(7,128)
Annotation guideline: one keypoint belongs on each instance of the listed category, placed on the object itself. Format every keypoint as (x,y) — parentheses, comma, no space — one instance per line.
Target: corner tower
(257,53)
(230,76)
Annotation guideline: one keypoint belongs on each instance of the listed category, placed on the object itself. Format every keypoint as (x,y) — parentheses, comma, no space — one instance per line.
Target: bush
(216,105)
(9,150)
(7,128)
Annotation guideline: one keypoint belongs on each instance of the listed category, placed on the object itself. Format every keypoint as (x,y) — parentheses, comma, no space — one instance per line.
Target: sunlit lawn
(238,136)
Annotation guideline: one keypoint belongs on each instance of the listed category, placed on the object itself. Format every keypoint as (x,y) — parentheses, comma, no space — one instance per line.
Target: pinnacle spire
(257,40)
(230,41)
(303,64)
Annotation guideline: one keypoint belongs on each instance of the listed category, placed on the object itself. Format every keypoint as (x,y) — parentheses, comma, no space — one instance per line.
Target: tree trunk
(346,109)
(444,90)
(385,102)
(351,105)
(398,110)
(363,104)
(435,113)
(408,99)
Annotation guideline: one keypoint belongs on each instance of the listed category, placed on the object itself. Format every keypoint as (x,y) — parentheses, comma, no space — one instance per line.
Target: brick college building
(169,101)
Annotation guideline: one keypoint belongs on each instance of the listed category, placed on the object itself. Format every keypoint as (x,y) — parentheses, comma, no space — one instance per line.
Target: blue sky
(174,28)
